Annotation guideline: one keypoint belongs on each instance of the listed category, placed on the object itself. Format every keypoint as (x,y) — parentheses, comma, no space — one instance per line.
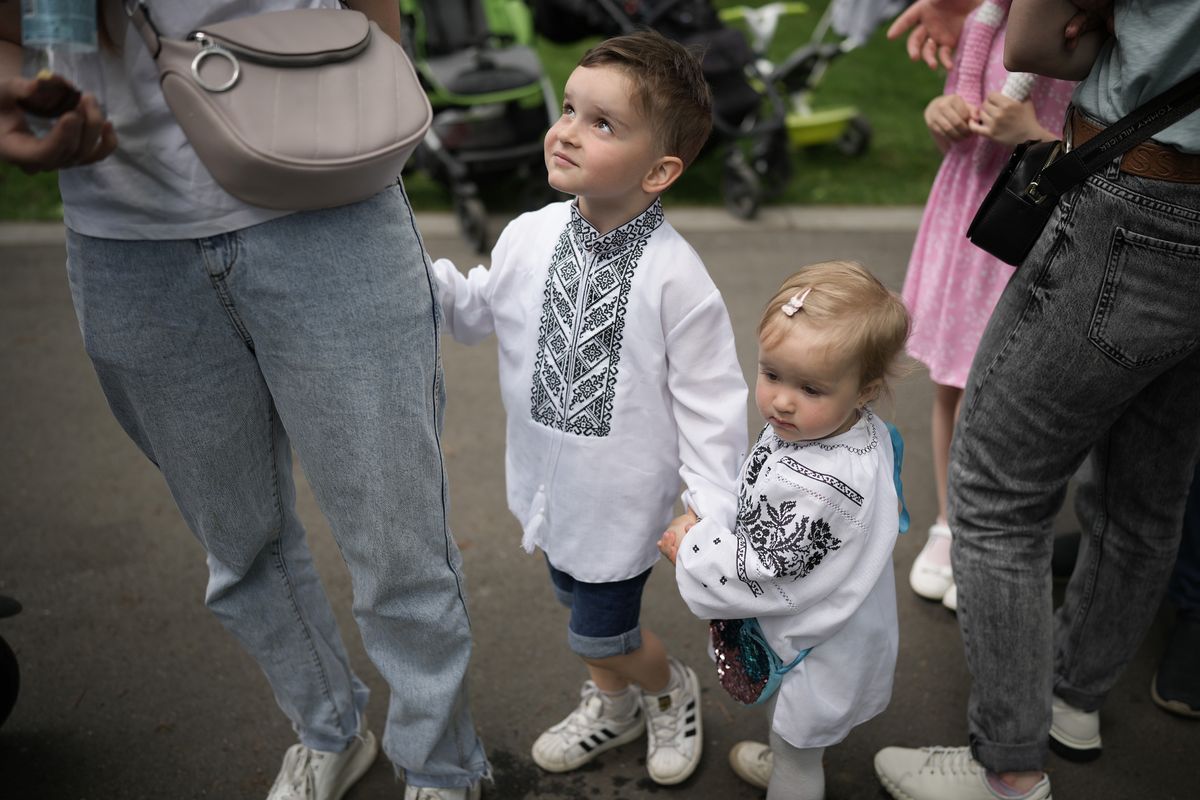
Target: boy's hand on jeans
(948,118)
(672,539)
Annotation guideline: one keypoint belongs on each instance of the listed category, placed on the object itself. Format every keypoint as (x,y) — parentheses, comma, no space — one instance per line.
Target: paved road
(132,690)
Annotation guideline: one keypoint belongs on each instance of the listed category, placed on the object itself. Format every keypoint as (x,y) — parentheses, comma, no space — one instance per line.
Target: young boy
(618,376)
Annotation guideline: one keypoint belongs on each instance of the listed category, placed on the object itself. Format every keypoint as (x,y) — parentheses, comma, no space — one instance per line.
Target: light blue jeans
(1093,352)
(316,331)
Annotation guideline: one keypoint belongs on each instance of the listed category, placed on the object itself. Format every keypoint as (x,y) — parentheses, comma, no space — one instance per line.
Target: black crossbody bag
(1020,202)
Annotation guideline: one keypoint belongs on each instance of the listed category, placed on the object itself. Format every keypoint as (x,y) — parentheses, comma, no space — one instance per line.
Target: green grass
(877,78)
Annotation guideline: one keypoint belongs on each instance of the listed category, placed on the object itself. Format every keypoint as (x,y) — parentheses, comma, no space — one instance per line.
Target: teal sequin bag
(747,667)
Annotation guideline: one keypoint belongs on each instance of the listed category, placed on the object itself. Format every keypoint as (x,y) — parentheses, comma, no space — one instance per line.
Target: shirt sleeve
(793,553)
(708,396)
(466,300)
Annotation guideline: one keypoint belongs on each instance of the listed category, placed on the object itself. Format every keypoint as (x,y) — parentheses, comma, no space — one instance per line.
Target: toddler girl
(810,555)
(952,286)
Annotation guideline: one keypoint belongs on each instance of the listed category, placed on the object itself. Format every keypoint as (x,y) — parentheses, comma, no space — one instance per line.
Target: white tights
(797,773)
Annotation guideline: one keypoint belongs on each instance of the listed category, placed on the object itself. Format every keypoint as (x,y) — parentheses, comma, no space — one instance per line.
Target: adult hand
(78,137)
(936,26)
(1007,121)
(948,118)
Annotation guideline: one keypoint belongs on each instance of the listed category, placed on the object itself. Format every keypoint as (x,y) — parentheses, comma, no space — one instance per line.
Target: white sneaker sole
(748,770)
(1072,748)
(595,749)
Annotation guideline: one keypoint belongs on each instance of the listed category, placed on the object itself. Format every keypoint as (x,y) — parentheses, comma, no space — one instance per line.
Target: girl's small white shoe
(950,598)
(931,575)
(752,762)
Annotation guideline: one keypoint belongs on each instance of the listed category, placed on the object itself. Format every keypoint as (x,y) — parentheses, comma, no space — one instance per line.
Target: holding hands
(672,539)
(80,136)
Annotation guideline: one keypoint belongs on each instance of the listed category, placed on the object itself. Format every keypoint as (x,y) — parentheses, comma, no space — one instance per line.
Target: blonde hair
(844,302)
(668,84)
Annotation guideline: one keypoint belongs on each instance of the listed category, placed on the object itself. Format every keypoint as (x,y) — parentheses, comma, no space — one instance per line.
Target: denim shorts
(604,616)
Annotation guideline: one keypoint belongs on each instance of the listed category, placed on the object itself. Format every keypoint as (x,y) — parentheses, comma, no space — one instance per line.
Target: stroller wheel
(472,221)
(741,188)
(10,680)
(856,138)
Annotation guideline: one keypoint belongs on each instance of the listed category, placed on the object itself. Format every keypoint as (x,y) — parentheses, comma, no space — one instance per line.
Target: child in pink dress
(952,286)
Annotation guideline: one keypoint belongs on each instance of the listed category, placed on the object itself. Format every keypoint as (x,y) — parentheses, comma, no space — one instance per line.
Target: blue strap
(898,452)
(799,657)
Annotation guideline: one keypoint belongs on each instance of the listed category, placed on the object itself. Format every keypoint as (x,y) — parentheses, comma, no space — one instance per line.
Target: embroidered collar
(860,439)
(589,240)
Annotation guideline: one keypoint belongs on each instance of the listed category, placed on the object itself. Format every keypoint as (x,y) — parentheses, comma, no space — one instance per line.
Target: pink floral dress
(952,286)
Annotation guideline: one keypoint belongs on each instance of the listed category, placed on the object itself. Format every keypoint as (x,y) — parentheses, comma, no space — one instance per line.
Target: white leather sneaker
(752,762)
(673,728)
(586,733)
(1074,734)
(941,773)
(309,774)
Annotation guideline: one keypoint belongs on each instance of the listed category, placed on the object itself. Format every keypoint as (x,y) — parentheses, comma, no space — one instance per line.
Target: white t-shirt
(810,558)
(154,186)
(618,375)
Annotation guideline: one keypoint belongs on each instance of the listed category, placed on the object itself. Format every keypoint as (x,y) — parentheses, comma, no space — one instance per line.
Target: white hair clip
(796,303)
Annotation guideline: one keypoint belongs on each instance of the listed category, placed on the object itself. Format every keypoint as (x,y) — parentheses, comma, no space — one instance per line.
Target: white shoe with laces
(586,733)
(309,774)
(673,727)
(931,574)
(941,773)
(430,793)
(752,762)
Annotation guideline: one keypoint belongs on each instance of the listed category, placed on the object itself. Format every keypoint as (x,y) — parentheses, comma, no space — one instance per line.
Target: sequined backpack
(747,667)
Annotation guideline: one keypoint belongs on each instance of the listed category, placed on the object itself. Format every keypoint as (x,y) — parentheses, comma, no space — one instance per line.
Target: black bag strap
(1138,125)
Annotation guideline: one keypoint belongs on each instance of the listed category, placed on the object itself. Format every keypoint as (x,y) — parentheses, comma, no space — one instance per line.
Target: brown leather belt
(1148,159)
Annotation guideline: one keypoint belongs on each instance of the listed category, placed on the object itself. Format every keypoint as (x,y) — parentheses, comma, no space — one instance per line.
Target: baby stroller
(761,109)
(491,99)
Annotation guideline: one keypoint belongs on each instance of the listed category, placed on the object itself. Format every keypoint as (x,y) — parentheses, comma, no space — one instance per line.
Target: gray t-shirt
(154,186)
(1157,45)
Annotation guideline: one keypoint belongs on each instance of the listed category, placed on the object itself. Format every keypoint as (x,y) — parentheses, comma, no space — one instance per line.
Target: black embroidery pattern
(583,321)
(824,445)
(829,480)
(786,547)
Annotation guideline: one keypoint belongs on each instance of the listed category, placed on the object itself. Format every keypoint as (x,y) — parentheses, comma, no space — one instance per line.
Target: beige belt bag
(300,109)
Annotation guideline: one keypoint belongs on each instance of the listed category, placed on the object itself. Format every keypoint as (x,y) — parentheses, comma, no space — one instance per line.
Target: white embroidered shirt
(811,558)
(618,376)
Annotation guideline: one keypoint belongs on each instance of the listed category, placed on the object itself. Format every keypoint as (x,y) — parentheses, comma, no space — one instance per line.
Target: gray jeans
(1091,354)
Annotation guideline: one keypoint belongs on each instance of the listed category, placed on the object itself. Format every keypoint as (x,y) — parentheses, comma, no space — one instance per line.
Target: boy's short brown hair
(668,85)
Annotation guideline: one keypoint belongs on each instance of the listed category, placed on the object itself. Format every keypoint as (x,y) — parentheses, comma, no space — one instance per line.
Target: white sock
(620,704)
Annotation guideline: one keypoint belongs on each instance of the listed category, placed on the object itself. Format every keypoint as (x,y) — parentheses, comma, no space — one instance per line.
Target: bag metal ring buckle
(211,48)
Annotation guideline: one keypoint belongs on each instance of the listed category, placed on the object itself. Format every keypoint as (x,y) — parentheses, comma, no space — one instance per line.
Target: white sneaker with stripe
(586,733)
(673,727)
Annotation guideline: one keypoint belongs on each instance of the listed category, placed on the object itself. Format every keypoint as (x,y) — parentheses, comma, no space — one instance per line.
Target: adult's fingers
(105,144)
(903,22)
(89,133)
(929,52)
(914,43)
(946,52)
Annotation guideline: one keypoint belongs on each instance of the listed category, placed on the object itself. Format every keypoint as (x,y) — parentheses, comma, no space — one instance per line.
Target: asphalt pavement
(131,689)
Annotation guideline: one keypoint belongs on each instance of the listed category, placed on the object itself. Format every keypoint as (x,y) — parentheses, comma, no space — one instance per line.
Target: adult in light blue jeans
(1092,353)
(226,335)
